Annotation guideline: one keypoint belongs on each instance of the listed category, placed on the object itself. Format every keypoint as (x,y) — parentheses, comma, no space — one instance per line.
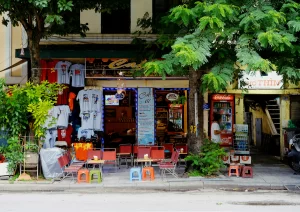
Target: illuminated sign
(222,97)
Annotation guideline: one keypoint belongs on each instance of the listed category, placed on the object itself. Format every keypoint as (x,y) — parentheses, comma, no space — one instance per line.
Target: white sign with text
(256,80)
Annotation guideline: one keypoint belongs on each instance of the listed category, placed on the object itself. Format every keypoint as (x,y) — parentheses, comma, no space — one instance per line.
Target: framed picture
(110,112)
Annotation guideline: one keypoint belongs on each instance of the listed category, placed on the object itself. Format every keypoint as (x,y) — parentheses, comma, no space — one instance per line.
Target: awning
(66,52)
(14,65)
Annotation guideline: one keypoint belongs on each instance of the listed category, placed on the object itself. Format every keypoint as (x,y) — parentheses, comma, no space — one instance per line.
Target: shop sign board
(222,97)
(109,68)
(172,96)
(256,80)
(146,125)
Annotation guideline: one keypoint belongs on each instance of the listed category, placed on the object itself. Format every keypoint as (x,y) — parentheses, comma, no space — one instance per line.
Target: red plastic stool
(247,172)
(146,170)
(83,172)
(235,168)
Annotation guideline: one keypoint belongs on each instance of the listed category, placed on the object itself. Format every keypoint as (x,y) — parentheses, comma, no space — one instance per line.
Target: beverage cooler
(223,104)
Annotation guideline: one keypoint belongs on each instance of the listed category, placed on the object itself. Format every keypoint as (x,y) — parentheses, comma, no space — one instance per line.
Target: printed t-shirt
(96,100)
(84,100)
(51,121)
(77,73)
(97,121)
(87,120)
(65,134)
(62,68)
(63,118)
(62,97)
(85,133)
(72,96)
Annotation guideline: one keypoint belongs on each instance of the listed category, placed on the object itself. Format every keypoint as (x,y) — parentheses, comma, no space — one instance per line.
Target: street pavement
(271,175)
(204,200)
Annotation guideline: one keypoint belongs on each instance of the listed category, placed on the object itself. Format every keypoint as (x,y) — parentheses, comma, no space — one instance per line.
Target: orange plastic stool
(146,170)
(247,172)
(83,172)
(235,168)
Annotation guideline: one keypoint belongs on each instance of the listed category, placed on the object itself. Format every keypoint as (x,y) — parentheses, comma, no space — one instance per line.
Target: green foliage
(208,161)
(13,153)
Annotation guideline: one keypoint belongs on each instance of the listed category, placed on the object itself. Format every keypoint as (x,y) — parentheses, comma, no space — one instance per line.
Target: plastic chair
(157,155)
(110,157)
(169,167)
(143,150)
(147,170)
(95,172)
(137,170)
(83,172)
(123,150)
(169,148)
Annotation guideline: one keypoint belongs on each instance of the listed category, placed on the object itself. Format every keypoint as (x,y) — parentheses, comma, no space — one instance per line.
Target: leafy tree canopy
(218,35)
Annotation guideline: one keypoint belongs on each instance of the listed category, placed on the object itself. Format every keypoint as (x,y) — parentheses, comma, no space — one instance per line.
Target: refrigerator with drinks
(223,104)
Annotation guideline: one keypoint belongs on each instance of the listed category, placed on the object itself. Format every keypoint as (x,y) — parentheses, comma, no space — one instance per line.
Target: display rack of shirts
(87,120)
(84,101)
(52,117)
(77,73)
(63,118)
(85,133)
(62,68)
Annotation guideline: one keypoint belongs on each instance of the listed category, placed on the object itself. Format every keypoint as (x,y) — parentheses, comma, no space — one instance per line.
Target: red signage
(222,97)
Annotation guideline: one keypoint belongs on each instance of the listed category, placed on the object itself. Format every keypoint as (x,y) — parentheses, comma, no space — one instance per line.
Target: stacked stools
(97,173)
(148,171)
(135,174)
(83,172)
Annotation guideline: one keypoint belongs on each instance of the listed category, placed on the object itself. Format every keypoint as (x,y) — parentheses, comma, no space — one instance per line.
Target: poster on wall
(145,116)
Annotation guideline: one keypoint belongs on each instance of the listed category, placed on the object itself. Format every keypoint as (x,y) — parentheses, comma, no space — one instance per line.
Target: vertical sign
(145,116)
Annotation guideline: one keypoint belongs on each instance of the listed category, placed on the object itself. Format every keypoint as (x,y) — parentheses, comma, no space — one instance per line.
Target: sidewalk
(266,177)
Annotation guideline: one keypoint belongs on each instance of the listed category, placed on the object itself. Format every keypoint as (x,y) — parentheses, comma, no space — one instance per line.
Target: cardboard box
(246,159)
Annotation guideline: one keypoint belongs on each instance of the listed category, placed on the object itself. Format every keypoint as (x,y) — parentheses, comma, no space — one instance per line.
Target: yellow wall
(138,9)
(11,39)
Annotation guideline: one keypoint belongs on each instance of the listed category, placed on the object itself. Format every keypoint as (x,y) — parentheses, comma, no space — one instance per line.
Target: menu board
(145,116)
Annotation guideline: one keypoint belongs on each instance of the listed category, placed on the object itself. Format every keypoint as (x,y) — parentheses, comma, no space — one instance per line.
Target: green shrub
(208,162)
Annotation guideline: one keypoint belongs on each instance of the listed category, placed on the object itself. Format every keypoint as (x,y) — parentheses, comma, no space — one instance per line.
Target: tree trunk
(34,48)
(195,128)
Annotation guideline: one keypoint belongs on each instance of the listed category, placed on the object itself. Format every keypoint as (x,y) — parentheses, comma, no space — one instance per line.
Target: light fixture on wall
(121,85)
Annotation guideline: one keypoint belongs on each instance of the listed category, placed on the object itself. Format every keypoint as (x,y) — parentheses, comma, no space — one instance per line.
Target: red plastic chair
(143,150)
(169,148)
(125,152)
(91,153)
(110,157)
(67,168)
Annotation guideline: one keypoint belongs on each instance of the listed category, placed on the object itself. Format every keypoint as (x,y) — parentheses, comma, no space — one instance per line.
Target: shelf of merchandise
(241,139)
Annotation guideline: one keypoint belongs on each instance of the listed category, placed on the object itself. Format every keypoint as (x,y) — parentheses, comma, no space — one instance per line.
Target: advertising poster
(145,116)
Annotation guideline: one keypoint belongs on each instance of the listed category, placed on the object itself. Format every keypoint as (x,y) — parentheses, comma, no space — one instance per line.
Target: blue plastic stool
(137,170)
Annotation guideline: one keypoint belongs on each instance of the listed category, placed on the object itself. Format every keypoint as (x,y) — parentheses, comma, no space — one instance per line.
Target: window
(116,22)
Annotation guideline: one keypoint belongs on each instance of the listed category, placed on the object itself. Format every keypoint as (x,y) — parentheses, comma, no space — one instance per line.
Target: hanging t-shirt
(85,133)
(63,95)
(87,120)
(96,100)
(65,134)
(62,68)
(84,100)
(97,117)
(51,121)
(51,72)
(63,118)
(72,96)
(77,73)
